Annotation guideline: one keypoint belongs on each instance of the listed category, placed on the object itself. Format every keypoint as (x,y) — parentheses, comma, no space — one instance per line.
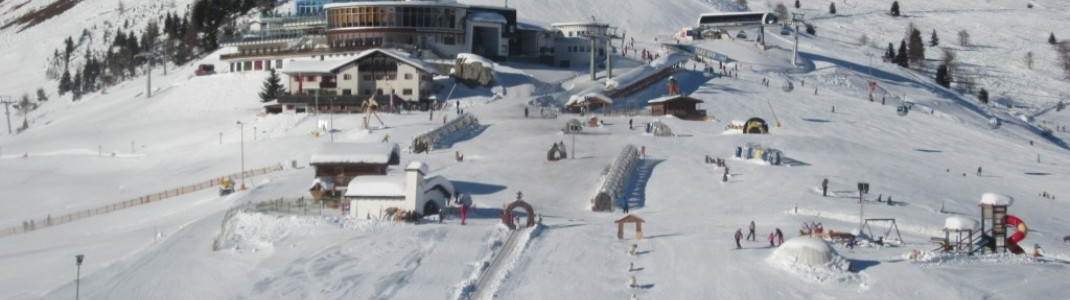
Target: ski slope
(926,160)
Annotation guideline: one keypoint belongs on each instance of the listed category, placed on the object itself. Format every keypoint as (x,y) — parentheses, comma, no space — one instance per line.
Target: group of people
(776,237)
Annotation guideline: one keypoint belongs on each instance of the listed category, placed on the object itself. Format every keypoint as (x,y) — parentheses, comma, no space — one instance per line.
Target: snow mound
(996,199)
(812,258)
(256,232)
(960,223)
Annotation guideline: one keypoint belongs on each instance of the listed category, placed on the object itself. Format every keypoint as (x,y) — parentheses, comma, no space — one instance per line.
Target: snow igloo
(810,252)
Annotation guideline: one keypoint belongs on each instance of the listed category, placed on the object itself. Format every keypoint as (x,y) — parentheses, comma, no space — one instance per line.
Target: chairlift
(902,110)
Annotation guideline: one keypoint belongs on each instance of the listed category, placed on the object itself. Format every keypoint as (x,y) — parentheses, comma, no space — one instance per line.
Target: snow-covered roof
(470,58)
(417,166)
(670,98)
(313,66)
(530,27)
(808,251)
(960,223)
(996,199)
(332,66)
(356,153)
(581,99)
(484,16)
(431,182)
(376,186)
(325,182)
(579,24)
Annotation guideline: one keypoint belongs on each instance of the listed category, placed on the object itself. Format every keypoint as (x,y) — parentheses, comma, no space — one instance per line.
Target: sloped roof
(489,17)
(355,153)
(332,66)
(385,186)
(673,98)
(595,97)
(630,219)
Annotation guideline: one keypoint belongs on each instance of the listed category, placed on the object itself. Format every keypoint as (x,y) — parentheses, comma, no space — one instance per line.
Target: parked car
(785,30)
(205,69)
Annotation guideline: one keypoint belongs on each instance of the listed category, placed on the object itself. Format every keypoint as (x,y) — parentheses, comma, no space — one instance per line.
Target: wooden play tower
(994,222)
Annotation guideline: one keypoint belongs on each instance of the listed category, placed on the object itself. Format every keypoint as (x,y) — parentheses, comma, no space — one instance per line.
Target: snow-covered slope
(927,161)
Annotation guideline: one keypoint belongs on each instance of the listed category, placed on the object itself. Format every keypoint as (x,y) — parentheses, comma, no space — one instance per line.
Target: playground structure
(756,151)
(657,128)
(630,219)
(507,212)
(992,236)
(613,178)
(370,106)
(557,152)
(431,139)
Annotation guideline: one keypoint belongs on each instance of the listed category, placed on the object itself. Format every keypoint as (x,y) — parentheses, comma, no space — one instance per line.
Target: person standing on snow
(772,235)
(779,237)
(750,232)
(825,187)
(978,171)
(739,235)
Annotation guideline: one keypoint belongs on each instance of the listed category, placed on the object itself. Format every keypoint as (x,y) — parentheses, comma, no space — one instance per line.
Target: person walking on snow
(750,232)
(772,235)
(978,171)
(739,235)
(779,237)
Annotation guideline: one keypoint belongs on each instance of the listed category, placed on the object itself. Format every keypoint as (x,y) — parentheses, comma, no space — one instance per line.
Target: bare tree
(947,56)
(1063,49)
(964,38)
(1029,59)
(781,11)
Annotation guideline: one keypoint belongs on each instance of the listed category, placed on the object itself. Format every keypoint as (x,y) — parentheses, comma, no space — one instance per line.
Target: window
(379,77)
(379,92)
(408,76)
(392,77)
(426,77)
(347,92)
(347,76)
(406,92)
(367,78)
(311,78)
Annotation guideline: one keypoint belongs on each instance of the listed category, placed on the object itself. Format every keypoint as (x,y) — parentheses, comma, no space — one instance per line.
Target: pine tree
(901,56)
(895,8)
(916,48)
(983,96)
(832,8)
(889,55)
(76,92)
(811,29)
(943,75)
(64,83)
(1051,38)
(272,87)
(933,40)
(797,4)
(41,96)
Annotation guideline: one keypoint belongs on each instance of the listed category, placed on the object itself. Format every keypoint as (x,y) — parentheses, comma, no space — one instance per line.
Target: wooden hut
(681,106)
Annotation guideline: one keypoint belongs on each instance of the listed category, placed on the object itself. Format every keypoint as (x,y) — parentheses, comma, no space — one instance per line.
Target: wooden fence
(49,221)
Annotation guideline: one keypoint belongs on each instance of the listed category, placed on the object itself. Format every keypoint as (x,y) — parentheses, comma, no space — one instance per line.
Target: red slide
(1020,231)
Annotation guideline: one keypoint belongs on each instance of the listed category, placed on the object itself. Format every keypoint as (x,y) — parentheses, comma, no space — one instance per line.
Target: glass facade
(393,25)
(407,16)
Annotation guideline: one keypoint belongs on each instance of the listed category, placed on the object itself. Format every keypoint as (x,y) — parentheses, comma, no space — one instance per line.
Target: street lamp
(77,281)
(863,188)
(242,126)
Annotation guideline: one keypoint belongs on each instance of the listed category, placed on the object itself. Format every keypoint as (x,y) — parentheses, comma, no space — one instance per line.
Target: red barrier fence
(49,221)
